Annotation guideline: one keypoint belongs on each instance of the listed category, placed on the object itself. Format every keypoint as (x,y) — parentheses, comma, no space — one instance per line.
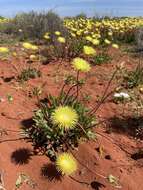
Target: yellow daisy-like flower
(46,36)
(110,33)
(4,50)
(89,38)
(28,45)
(107,41)
(88,50)
(33,47)
(14,54)
(115,46)
(57,33)
(33,57)
(61,39)
(95,42)
(73,35)
(81,64)
(65,117)
(66,164)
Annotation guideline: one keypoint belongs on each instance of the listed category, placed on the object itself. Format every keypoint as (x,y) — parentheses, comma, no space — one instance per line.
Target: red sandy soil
(16,156)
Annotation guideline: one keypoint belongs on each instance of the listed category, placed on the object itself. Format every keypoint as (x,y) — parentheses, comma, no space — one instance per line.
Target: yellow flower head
(115,46)
(46,36)
(89,38)
(81,64)
(28,45)
(73,34)
(57,33)
(78,33)
(33,47)
(88,50)
(65,117)
(95,42)
(4,50)
(61,39)
(66,164)
(33,57)
(14,54)
(107,41)
(110,33)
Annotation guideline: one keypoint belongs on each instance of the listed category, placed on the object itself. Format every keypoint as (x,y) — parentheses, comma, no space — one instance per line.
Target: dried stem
(105,95)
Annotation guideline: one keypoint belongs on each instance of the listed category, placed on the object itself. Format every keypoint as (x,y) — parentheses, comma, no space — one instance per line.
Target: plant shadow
(8,79)
(96,185)
(132,126)
(21,156)
(27,123)
(49,171)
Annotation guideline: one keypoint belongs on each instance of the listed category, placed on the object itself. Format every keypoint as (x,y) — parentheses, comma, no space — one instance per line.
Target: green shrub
(81,15)
(47,54)
(134,78)
(29,73)
(101,58)
(53,139)
(53,130)
(34,25)
(75,47)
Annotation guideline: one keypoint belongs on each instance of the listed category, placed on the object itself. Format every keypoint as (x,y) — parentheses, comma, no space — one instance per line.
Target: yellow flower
(141,89)
(33,47)
(46,36)
(88,38)
(28,45)
(110,33)
(61,40)
(115,46)
(4,50)
(66,164)
(95,42)
(73,35)
(81,64)
(14,54)
(88,50)
(65,117)
(107,41)
(78,33)
(57,33)
(33,57)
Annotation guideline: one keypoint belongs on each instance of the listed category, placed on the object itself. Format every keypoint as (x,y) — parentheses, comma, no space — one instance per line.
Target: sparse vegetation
(69,57)
(30,73)
(134,78)
(101,58)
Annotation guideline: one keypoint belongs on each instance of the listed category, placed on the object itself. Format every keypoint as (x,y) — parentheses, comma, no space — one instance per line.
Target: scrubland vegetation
(75,87)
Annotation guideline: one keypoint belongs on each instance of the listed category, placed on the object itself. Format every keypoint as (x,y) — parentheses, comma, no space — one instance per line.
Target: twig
(67,94)
(81,182)
(104,96)
(113,141)
(9,140)
(100,175)
(77,81)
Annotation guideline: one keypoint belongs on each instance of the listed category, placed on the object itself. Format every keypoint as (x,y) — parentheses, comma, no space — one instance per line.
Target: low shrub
(61,122)
(134,78)
(29,73)
(101,58)
(33,25)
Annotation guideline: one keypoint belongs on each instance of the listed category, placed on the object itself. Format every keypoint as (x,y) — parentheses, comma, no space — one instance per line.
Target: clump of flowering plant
(62,121)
